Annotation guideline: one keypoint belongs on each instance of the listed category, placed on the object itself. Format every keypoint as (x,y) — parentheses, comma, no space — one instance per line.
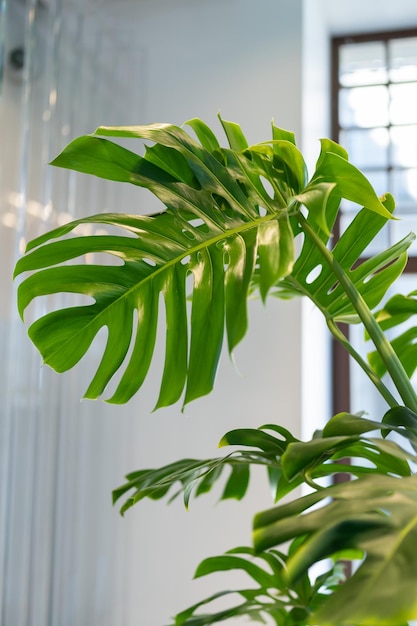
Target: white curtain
(62,546)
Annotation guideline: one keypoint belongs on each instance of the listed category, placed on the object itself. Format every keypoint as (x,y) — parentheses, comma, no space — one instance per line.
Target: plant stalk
(383,390)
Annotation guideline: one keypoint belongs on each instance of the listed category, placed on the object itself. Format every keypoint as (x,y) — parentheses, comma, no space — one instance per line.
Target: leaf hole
(262,211)
(267,186)
(150,262)
(299,242)
(314,274)
(332,288)
(199,224)
(367,279)
(186,260)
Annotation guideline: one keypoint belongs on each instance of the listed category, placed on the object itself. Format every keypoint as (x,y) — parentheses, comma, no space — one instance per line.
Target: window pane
(403,106)
(377,118)
(364,107)
(403,59)
(402,227)
(366,148)
(362,64)
(379,181)
(404,189)
(404,146)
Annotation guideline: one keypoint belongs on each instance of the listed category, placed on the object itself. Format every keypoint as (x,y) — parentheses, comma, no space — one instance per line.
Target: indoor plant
(234,235)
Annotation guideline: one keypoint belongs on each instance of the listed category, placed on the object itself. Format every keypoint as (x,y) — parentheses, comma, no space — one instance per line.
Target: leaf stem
(340,337)
(394,366)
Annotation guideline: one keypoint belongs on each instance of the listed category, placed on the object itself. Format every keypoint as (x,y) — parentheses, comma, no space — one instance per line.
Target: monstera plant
(231,217)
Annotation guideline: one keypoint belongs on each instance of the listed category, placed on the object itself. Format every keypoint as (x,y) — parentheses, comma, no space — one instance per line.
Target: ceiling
(367,15)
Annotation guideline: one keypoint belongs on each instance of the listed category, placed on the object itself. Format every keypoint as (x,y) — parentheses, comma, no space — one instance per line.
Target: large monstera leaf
(230,220)
(219,224)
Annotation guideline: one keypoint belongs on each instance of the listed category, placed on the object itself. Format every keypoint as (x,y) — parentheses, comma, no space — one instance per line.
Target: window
(375,119)
(374,116)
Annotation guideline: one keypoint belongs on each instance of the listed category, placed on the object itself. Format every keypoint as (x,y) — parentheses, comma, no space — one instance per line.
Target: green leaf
(350,182)
(193,477)
(213,229)
(237,483)
(233,562)
(372,278)
(329,146)
(241,257)
(92,155)
(404,421)
(405,348)
(276,252)
(374,514)
(173,290)
(223,227)
(207,479)
(255,438)
(288,157)
(298,456)
(343,438)
(205,135)
(318,199)
(235,136)
(346,424)
(271,598)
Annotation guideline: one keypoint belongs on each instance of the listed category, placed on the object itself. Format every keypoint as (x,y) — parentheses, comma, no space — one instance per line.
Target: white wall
(316,396)
(69,558)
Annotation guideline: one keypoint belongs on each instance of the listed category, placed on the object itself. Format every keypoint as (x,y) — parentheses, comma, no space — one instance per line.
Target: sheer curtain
(62,546)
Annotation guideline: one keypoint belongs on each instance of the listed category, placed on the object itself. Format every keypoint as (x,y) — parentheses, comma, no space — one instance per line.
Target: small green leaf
(280,134)
(326,146)
(346,424)
(205,135)
(92,155)
(316,198)
(405,348)
(254,438)
(298,456)
(175,367)
(268,249)
(207,322)
(235,136)
(351,183)
(287,155)
(231,562)
(237,483)
(241,256)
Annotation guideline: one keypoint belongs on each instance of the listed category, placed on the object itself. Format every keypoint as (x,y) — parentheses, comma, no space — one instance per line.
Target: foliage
(231,218)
